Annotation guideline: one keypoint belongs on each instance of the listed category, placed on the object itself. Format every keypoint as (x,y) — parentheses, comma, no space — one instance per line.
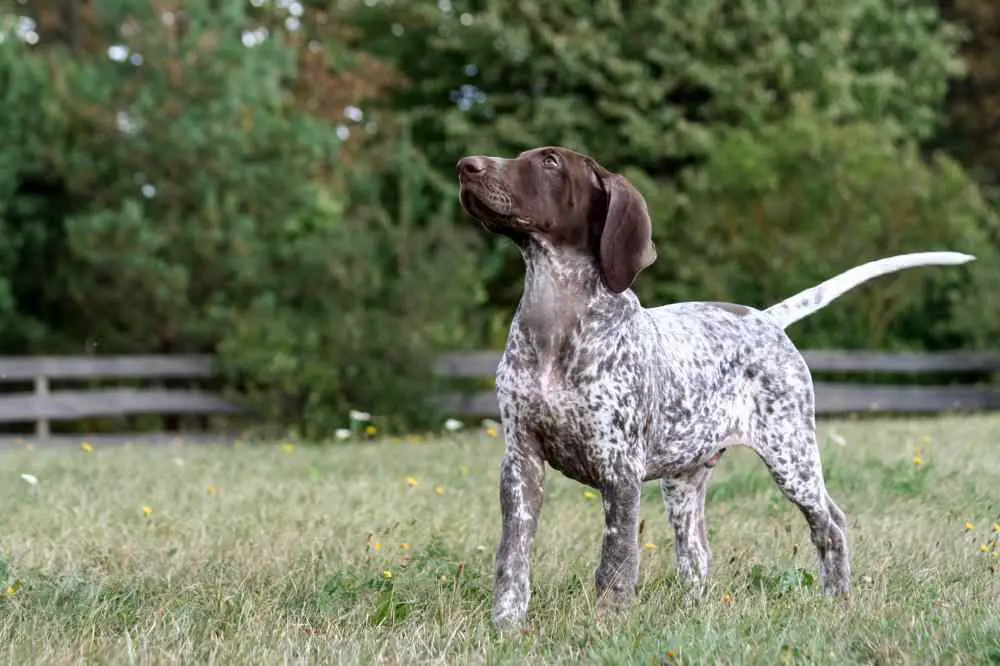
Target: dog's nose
(471,166)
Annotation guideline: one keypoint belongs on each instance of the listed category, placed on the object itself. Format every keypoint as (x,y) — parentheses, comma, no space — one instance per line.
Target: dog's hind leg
(786,441)
(684,499)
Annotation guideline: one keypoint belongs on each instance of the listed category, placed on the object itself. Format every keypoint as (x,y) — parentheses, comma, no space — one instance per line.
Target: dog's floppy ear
(626,237)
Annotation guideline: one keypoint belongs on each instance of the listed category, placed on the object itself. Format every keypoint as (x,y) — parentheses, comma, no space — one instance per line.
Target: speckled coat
(612,394)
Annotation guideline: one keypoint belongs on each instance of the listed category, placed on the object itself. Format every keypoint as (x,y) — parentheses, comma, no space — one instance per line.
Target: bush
(666,87)
(28,209)
(213,187)
(355,304)
(778,209)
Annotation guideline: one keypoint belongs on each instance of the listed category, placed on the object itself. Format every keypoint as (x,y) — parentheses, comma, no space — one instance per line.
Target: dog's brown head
(566,200)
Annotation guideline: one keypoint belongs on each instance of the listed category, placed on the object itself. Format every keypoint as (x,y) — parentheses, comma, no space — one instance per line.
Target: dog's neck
(563,296)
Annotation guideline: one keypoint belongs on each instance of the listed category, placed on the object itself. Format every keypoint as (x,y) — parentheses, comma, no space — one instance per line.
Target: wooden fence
(845,394)
(55,389)
(74,401)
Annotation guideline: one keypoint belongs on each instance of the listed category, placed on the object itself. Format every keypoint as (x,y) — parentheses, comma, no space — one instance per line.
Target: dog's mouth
(485,211)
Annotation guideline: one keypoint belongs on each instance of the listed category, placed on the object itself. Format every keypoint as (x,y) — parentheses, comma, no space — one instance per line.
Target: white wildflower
(342,433)
(452,425)
(360,416)
(30,479)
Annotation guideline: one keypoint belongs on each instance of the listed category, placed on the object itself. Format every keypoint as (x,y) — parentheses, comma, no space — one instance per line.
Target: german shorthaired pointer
(612,394)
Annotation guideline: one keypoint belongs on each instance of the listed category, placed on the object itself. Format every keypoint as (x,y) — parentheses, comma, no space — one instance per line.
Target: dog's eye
(551,162)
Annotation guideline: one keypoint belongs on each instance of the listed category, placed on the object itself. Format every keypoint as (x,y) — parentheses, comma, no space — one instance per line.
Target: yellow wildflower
(411,482)
(650,546)
(918,459)
(996,528)
(387,574)
(370,431)
(969,526)
(727,599)
(288,447)
(589,494)
(984,548)
(86,447)
(212,489)
(491,432)
(404,546)
(147,510)
(439,490)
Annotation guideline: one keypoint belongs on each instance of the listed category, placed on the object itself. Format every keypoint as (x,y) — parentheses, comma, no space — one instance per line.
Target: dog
(612,394)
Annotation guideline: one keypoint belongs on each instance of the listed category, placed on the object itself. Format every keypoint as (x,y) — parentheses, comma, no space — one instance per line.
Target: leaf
(389,609)
(13,588)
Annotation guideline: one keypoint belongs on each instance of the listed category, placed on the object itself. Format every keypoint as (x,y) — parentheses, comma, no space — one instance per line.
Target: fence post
(42,424)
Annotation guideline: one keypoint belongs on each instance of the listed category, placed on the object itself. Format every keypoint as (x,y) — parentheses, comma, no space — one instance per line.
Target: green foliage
(191,193)
(274,181)
(650,84)
(9,585)
(775,142)
(175,172)
(783,207)
(779,584)
(360,302)
(974,106)
(25,128)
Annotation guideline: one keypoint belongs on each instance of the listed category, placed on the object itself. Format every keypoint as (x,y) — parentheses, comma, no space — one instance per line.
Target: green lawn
(382,553)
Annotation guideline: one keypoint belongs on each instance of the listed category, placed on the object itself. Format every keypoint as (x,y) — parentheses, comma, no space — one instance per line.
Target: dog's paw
(509,623)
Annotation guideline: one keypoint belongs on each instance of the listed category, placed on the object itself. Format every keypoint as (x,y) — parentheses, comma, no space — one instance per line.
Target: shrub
(355,305)
(784,206)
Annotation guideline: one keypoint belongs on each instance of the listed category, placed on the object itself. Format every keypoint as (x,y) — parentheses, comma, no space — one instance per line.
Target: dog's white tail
(804,303)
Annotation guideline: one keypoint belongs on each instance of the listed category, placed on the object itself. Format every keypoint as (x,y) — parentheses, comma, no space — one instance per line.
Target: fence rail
(71,401)
(832,397)
(44,404)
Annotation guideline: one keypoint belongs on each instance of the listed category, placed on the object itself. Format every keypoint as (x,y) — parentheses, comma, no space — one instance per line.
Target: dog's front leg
(522,476)
(617,573)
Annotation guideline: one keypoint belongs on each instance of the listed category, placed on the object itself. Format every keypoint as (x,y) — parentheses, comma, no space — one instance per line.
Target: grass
(382,553)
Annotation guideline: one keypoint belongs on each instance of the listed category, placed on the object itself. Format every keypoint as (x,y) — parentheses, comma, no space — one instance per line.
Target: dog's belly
(667,459)
(692,434)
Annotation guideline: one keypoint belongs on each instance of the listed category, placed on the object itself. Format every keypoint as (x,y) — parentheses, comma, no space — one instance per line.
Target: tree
(750,126)
(974,103)
(650,84)
(782,207)
(201,179)
(179,145)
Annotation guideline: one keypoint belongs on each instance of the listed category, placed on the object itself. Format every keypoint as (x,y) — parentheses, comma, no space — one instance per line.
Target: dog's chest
(581,428)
